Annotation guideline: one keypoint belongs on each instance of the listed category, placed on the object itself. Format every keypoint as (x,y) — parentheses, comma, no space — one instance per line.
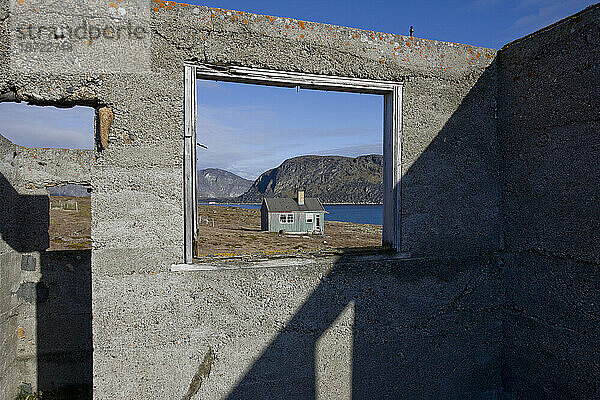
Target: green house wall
(298,226)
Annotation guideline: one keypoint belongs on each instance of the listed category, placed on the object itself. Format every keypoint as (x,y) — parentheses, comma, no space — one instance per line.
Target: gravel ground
(236,233)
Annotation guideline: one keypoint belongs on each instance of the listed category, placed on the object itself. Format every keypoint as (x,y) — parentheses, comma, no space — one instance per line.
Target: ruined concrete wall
(450,191)
(337,328)
(548,90)
(9,278)
(424,328)
(30,295)
(146,317)
(45,297)
(10,378)
(42,167)
(153,328)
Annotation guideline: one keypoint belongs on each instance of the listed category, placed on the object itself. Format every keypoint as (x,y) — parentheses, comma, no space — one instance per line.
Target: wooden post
(194,89)
(392,169)
(189,161)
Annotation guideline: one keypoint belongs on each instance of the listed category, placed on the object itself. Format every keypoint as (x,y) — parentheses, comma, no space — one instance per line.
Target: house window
(286,218)
(309,218)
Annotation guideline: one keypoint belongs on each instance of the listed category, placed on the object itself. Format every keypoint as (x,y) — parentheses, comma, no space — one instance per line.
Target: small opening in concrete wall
(47,126)
(70,217)
(286,172)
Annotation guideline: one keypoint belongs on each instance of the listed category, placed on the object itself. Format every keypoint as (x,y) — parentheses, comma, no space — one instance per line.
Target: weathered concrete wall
(9,278)
(45,297)
(544,153)
(450,191)
(421,328)
(10,377)
(63,334)
(550,146)
(330,329)
(146,316)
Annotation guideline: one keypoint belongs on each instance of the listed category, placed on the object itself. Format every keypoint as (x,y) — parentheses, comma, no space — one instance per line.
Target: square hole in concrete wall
(283,171)
(70,218)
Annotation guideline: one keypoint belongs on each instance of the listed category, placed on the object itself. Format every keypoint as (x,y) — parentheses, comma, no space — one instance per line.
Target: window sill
(235,264)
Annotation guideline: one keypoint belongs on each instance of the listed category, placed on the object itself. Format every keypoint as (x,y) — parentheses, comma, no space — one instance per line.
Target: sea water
(357,213)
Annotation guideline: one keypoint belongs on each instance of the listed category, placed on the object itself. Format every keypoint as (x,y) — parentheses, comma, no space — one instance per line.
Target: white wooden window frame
(392,134)
(286,218)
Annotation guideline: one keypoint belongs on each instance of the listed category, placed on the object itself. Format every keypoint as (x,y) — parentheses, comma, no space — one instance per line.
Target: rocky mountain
(216,183)
(333,179)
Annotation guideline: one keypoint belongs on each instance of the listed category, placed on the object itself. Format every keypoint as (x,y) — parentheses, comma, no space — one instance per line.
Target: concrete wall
(152,328)
(428,327)
(45,297)
(9,278)
(337,328)
(550,184)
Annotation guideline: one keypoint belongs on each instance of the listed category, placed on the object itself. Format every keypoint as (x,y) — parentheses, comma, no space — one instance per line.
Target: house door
(318,222)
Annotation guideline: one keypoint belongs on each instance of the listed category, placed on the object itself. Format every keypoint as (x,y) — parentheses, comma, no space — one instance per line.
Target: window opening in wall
(285,170)
(52,155)
(70,218)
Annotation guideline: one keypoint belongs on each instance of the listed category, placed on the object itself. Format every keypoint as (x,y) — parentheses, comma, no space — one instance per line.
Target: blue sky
(32,126)
(250,129)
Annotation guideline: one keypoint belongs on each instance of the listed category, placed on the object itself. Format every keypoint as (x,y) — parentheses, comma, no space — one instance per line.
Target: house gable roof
(286,204)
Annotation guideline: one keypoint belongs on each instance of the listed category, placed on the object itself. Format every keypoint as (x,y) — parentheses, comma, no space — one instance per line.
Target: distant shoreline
(204,203)
(352,204)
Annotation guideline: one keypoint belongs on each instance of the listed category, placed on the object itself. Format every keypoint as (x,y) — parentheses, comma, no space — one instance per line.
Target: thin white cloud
(33,126)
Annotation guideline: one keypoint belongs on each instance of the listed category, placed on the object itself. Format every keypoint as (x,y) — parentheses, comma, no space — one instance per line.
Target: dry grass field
(70,223)
(236,233)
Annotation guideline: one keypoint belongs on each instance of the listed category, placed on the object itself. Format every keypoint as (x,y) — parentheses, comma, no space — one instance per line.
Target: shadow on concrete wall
(421,328)
(60,300)
(64,321)
(24,220)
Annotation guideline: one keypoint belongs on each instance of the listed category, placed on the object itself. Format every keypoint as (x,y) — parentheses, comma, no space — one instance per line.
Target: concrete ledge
(287,262)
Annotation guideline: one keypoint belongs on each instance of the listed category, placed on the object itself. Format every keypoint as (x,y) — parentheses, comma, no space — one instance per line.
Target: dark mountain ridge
(332,179)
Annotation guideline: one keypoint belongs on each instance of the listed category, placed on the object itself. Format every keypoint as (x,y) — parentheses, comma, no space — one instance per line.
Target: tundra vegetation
(236,234)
